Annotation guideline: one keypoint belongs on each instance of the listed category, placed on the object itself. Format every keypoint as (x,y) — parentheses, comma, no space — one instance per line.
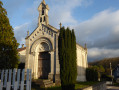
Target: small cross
(43,1)
(27,33)
(60,25)
(85,45)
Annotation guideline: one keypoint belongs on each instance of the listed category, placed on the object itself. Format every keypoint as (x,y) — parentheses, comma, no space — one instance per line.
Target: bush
(91,74)
(21,66)
(105,77)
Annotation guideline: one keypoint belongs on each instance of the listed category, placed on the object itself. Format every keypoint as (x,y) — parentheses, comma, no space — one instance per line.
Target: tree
(91,74)
(67,57)
(8,43)
(100,69)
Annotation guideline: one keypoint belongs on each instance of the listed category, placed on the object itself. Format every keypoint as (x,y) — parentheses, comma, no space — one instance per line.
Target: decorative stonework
(44,39)
(43,47)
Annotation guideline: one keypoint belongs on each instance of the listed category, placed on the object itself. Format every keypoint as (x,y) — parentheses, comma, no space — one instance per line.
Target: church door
(43,65)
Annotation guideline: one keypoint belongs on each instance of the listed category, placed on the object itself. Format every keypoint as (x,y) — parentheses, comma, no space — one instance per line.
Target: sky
(96,22)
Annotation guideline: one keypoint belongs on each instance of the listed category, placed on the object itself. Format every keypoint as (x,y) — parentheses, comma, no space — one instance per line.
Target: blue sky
(96,22)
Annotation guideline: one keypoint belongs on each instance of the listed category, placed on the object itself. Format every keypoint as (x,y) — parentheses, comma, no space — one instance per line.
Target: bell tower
(43,13)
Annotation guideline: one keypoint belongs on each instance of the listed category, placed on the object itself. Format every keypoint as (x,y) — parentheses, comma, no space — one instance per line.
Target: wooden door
(44,65)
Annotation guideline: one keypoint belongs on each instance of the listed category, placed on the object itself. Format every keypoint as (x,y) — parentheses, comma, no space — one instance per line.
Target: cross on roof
(44,1)
(60,25)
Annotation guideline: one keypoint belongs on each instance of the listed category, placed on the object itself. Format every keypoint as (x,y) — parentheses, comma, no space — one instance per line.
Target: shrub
(91,74)
(105,77)
(67,58)
(21,66)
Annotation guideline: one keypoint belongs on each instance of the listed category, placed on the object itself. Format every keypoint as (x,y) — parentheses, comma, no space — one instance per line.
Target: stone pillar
(35,65)
(57,72)
(51,74)
(27,54)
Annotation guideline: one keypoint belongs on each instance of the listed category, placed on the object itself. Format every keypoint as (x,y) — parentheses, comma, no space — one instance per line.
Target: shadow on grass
(36,87)
(78,85)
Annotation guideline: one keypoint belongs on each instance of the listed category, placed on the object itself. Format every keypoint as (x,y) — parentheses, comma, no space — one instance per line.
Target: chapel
(41,51)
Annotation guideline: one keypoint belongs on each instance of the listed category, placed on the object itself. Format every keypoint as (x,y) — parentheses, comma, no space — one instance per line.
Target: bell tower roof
(43,1)
(43,13)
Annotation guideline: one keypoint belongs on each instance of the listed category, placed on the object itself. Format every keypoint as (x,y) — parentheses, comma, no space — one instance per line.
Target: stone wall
(99,86)
(22,55)
(81,63)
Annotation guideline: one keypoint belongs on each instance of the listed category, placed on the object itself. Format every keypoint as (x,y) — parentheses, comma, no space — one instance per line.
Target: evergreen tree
(8,43)
(67,57)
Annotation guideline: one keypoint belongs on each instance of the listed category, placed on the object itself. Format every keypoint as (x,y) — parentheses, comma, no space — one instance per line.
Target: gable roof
(21,49)
(53,28)
(48,26)
(81,46)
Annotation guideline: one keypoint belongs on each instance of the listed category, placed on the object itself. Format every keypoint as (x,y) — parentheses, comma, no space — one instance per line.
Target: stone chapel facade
(41,51)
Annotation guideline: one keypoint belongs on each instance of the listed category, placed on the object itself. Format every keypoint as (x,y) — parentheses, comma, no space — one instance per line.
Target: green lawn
(116,84)
(52,88)
(79,85)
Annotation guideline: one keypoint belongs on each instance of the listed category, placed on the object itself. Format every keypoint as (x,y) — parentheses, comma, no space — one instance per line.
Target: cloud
(98,53)
(100,31)
(21,32)
(32,11)
(13,6)
(61,11)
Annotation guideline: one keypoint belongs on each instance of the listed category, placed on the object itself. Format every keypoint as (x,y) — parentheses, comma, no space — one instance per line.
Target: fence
(15,79)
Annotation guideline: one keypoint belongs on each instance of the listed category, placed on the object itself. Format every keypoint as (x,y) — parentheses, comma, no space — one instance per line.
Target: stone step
(50,85)
(48,82)
(44,83)
(41,81)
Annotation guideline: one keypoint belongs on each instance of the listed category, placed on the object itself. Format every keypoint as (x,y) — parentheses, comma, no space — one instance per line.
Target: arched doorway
(42,49)
(43,61)
(43,65)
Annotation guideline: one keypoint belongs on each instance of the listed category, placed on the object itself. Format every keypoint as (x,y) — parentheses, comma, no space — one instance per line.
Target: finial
(22,45)
(85,46)
(27,33)
(43,1)
(60,25)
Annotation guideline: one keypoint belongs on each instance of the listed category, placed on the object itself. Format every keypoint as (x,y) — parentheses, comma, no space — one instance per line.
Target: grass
(78,85)
(51,88)
(116,84)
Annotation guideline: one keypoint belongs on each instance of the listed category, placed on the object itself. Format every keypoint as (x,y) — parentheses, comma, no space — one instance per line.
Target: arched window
(42,12)
(44,18)
(41,19)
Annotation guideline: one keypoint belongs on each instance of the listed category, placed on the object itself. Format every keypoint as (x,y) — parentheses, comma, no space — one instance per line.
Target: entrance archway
(42,53)
(43,61)
(43,65)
